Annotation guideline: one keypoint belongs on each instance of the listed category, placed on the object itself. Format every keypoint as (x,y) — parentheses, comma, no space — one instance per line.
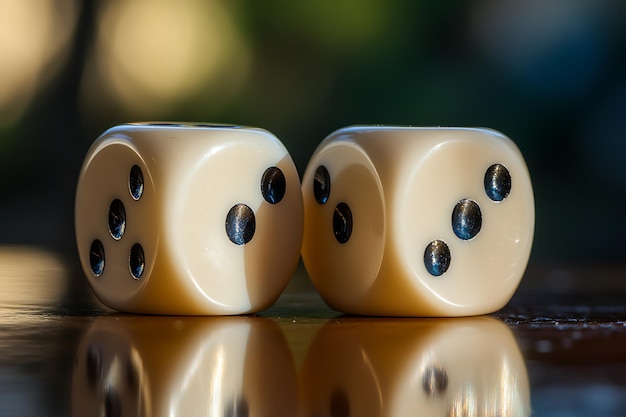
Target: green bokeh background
(550,75)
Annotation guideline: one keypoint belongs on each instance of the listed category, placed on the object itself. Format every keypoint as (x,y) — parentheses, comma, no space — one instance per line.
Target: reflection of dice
(185,366)
(417,221)
(188,219)
(398,367)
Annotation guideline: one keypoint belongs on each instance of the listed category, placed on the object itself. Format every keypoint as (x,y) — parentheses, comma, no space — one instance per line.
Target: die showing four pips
(176,218)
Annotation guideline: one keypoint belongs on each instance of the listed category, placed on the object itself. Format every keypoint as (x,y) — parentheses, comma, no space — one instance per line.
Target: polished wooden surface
(557,349)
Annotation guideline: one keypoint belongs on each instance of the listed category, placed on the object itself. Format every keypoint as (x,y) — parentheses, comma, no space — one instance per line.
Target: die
(176,218)
(406,221)
(470,366)
(183,366)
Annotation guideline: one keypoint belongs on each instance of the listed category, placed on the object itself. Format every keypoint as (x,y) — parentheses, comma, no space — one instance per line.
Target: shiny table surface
(557,349)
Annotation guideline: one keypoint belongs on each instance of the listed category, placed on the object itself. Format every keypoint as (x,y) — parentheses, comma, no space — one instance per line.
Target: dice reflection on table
(398,367)
(166,366)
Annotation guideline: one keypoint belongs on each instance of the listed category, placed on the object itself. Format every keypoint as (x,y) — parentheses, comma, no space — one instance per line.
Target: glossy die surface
(417,221)
(188,219)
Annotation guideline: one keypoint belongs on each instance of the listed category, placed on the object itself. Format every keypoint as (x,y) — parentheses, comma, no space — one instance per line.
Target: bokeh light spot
(34,36)
(151,55)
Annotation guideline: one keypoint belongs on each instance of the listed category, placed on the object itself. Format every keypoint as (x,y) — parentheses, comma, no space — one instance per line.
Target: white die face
(489,250)
(344,222)
(116,206)
(231,262)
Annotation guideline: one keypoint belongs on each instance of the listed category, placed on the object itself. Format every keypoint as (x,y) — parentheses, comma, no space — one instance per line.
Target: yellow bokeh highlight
(149,56)
(34,35)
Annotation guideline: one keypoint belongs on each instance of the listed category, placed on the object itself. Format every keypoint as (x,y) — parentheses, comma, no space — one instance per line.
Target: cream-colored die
(188,218)
(406,221)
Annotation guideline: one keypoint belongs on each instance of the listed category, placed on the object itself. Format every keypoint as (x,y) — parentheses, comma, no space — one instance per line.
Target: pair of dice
(211,219)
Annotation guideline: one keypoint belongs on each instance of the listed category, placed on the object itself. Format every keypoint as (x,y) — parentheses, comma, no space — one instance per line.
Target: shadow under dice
(188,219)
(417,221)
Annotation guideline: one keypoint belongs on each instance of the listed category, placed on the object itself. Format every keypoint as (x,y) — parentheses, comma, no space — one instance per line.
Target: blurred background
(550,75)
